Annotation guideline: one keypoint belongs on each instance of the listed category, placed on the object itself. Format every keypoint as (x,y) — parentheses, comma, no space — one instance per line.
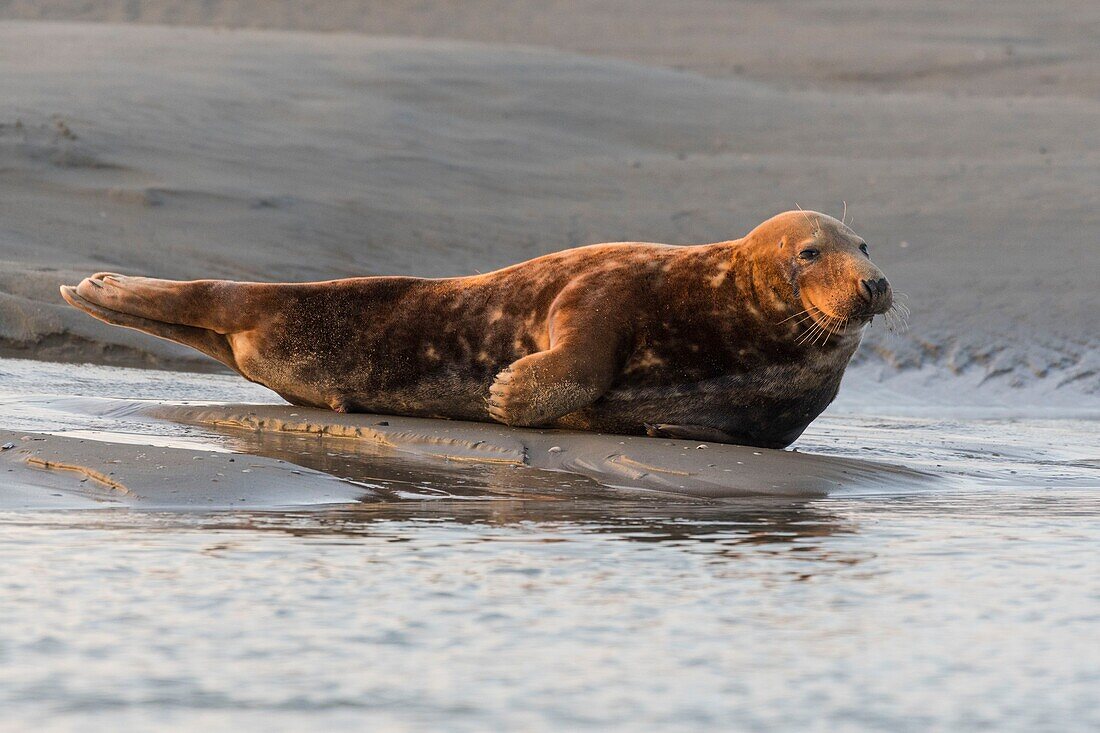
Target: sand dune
(187,152)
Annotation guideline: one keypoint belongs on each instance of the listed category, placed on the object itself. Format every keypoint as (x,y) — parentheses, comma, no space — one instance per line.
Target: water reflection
(395,476)
(510,503)
(722,530)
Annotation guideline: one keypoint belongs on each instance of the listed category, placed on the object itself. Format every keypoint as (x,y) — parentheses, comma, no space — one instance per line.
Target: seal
(743,341)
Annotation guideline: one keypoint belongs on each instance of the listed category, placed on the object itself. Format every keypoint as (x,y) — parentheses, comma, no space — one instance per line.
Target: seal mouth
(821,325)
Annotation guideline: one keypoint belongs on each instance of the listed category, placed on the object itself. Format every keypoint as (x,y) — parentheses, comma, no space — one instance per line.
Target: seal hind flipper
(214,305)
(212,344)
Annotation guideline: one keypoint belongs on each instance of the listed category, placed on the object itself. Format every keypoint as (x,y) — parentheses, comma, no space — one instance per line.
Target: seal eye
(863,249)
(809,253)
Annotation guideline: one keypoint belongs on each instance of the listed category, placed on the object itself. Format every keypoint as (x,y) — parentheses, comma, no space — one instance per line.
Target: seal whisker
(833,327)
(806,321)
(811,334)
(823,331)
(900,303)
(816,229)
(796,315)
(900,318)
(817,318)
(840,325)
(802,322)
(806,334)
(821,319)
(895,319)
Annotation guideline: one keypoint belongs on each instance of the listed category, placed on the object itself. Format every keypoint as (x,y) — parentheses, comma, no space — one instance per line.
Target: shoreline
(862,447)
(273,447)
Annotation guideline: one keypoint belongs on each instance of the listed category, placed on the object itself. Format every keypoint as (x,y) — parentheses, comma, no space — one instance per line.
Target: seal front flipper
(689,432)
(587,350)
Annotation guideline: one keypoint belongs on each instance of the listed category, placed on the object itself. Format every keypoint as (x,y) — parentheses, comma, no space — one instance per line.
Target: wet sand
(704,470)
(166,454)
(880,45)
(51,472)
(148,477)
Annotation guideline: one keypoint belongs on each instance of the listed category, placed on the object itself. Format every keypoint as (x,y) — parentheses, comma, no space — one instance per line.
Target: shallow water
(462,607)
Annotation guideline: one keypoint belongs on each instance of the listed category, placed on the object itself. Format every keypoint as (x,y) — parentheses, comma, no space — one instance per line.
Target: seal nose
(876,293)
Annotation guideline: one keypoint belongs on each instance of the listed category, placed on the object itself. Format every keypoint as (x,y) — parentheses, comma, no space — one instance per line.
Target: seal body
(715,342)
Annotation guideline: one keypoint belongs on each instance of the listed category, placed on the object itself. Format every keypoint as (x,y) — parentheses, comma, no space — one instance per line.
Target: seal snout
(876,294)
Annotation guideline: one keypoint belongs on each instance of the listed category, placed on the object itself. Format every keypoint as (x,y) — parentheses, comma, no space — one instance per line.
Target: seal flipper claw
(341,405)
(689,432)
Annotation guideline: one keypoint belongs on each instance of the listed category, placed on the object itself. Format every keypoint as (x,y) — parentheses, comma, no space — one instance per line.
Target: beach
(234,150)
(185,549)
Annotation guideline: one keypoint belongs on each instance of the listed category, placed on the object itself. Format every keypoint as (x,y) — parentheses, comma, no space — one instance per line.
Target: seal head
(823,272)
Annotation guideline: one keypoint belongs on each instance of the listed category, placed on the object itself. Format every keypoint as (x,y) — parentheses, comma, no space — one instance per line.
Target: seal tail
(196,314)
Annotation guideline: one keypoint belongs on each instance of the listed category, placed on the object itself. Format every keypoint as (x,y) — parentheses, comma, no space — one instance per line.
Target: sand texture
(134,458)
(1014,47)
(193,152)
(53,472)
(128,442)
(691,468)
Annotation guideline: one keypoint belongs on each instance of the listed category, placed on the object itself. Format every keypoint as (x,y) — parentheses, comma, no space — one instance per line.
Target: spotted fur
(696,341)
